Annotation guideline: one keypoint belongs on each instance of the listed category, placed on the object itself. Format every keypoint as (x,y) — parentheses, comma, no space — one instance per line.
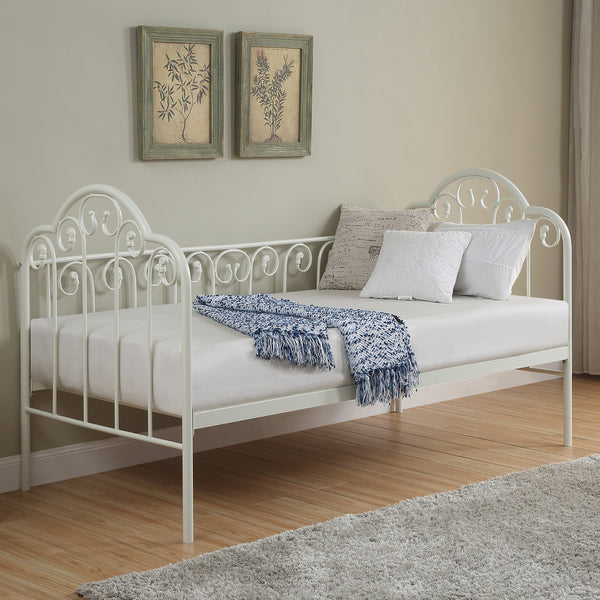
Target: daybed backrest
(100,253)
(270,267)
(484,196)
(100,237)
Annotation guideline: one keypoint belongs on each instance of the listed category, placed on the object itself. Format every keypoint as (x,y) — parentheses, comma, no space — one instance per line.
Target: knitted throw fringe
(377,344)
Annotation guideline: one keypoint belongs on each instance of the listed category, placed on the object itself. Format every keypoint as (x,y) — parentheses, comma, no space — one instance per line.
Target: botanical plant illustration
(188,84)
(270,92)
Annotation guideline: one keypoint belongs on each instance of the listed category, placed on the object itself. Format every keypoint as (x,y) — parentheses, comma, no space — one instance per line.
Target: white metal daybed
(116,323)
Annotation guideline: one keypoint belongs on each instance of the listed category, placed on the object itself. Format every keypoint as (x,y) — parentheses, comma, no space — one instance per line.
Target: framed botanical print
(180,93)
(273,94)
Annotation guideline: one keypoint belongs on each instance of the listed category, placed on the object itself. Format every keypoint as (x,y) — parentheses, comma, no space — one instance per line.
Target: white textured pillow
(358,240)
(417,265)
(493,259)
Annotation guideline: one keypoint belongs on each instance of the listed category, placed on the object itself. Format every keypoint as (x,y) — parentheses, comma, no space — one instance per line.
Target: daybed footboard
(61,273)
(110,296)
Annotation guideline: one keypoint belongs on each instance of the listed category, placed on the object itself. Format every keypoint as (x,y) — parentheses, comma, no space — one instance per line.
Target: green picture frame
(180,93)
(273,94)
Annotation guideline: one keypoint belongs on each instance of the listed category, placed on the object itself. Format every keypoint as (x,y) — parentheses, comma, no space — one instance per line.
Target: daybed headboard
(482,195)
(98,253)
(98,238)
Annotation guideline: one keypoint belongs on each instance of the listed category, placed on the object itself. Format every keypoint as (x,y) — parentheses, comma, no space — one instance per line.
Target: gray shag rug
(526,536)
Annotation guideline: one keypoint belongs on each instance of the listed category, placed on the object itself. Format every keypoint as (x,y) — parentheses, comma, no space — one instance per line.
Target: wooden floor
(63,534)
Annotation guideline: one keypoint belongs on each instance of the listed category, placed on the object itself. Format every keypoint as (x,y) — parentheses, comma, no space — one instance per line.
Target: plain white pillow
(417,265)
(494,258)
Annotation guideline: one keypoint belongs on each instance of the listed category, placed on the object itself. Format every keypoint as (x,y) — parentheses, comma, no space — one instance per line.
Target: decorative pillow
(417,265)
(358,241)
(494,258)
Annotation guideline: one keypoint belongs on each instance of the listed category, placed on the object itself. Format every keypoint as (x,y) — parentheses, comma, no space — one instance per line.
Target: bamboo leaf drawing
(189,85)
(270,92)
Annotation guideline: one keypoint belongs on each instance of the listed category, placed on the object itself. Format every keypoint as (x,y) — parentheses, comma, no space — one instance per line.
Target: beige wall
(405,92)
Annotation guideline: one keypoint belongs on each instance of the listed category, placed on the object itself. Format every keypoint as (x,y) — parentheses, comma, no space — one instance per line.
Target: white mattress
(226,372)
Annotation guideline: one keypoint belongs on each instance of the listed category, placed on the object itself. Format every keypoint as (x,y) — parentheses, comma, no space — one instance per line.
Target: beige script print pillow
(358,240)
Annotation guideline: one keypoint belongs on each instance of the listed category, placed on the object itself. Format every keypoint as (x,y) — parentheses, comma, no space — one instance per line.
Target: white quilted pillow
(417,265)
(494,258)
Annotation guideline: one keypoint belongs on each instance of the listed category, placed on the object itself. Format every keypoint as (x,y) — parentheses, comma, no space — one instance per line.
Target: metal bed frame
(65,269)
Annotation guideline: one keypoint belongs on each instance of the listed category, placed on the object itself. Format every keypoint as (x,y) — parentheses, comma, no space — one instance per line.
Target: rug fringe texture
(531,535)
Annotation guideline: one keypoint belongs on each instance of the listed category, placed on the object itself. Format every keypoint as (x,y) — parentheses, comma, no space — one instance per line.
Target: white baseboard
(88,458)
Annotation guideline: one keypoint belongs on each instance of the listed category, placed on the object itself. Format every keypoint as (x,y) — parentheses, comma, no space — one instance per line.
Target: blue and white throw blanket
(378,348)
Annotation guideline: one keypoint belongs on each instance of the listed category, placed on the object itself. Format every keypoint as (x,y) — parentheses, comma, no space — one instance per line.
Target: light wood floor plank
(61,535)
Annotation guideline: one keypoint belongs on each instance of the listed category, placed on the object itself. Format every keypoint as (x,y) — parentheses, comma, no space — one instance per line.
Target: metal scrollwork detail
(466,196)
(69,231)
(89,214)
(68,278)
(443,208)
(41,253)
(160,269)
(117,273)
(233,271)
(486,200)
(545,228)
(508,216)
(199,263)
(131,236)
(302,254)
(268,256)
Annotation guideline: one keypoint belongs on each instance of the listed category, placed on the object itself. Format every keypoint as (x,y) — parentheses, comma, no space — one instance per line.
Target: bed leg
(396,405)
(187,454)
(25,388)
(25,451)
(568,403)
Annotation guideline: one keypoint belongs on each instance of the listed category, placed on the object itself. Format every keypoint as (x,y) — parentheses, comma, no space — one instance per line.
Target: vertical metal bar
(187,463)
(568,403)
(187,414)
(396,405)
(568,366)
(25,310)
(116,335)
(48,291)
(149,353)
(25,441)
(54,304)
(93,289)
(250,278)
(84,314)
